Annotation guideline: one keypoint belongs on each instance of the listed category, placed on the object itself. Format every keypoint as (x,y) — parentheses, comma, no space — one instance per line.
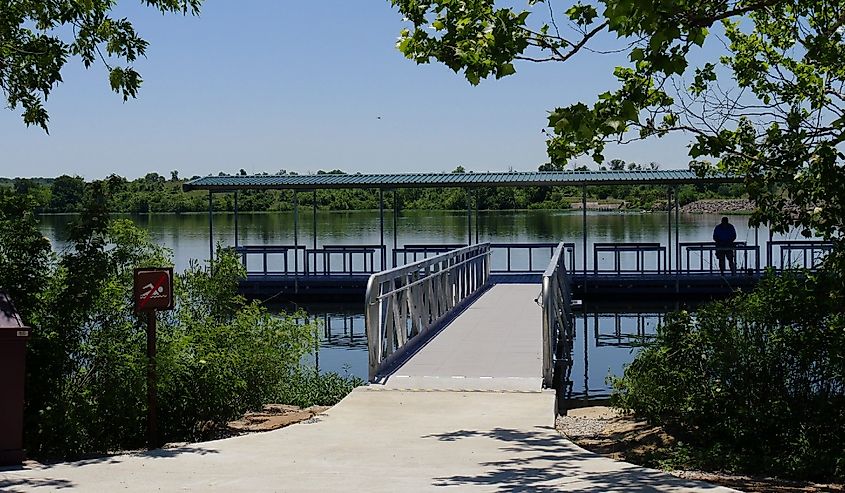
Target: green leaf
(698,35)
(505,70)
(637,54)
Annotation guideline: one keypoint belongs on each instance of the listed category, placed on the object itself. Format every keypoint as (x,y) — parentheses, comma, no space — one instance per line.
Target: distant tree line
(155,193)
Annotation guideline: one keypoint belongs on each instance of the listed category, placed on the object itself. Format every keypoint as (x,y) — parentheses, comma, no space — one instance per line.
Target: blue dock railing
(602,252)
(747,257)
(507,258)
(346,259)
(800,254)
(615,259)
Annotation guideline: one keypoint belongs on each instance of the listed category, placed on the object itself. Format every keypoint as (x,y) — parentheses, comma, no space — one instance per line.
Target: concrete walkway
(374,441)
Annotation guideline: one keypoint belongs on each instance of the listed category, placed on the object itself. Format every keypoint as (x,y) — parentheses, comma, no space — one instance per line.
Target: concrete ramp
(496,344)
(387,441)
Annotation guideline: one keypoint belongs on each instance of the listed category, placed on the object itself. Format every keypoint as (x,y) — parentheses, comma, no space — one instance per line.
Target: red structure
(13,338)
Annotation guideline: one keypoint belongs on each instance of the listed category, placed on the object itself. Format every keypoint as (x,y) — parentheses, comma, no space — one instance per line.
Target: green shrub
(221,356)
(755,383)
(306,387)
(218,355)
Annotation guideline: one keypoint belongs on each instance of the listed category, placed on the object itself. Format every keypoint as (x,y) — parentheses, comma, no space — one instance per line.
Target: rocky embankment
(719,206)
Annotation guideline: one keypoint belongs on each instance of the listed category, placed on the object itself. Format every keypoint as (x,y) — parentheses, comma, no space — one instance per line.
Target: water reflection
(625,330)
(341,336)
(607,337)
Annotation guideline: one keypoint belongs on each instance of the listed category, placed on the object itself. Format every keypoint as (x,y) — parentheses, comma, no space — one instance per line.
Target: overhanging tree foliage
(765,98)
(37,37)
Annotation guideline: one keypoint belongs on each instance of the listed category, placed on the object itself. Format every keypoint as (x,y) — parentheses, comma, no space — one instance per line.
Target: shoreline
(608,432)
(590,208)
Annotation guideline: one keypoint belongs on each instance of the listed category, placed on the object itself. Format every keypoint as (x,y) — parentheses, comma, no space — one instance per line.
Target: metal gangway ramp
(442,324)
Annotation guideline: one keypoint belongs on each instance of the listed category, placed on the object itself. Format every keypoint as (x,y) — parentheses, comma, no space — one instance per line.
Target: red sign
(153,289)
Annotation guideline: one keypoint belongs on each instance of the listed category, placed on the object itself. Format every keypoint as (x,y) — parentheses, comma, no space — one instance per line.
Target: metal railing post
(548,365)
(373,326)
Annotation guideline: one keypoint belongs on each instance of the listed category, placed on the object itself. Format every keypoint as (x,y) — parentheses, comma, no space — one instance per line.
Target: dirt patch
(605,431)
(273,417)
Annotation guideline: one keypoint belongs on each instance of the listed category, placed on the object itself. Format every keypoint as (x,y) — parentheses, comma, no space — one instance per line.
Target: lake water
(604,341)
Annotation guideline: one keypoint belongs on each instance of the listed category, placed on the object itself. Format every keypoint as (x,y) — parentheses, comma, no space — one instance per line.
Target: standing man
(724,235)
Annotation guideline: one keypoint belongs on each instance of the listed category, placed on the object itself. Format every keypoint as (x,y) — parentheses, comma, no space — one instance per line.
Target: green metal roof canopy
(445,180)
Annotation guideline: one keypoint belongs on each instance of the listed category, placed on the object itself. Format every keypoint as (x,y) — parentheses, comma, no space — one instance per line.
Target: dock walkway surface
(466,411)
(496,344)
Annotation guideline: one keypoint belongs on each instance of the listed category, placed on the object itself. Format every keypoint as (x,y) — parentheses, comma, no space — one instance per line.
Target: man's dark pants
(721,254)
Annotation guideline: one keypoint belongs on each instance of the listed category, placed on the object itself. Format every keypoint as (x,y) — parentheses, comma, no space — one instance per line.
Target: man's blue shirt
(724,235)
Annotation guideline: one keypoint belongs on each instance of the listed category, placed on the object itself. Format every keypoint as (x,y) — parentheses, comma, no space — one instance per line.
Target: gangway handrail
(557,314)
(405,302)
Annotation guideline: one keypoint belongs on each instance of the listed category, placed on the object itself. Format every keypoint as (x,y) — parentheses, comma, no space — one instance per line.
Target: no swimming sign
(153,289)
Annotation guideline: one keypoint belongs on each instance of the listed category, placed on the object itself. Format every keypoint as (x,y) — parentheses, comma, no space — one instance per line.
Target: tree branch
(708,21)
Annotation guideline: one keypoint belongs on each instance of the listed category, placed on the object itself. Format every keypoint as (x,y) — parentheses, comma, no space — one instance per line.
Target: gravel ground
(586,422)
(605,431)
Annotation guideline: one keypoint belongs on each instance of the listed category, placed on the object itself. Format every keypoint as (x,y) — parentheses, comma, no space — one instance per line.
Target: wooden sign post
(153,290)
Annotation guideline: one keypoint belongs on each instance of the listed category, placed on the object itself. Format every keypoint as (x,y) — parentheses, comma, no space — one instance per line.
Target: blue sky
(267,85)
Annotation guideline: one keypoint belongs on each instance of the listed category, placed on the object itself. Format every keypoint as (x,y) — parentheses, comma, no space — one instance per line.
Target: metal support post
(476,215)
(677,232)
(668,259)
(395,222)
(314,219)
(469,217)
(584,227)
(381,227)
(295,232)
(210,227)
(769,252)
(586,358)
(152,401)
(236,219)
